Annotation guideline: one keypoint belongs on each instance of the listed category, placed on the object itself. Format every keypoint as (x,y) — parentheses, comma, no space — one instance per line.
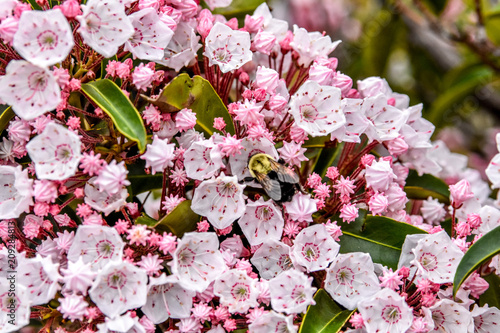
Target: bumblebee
(279,182)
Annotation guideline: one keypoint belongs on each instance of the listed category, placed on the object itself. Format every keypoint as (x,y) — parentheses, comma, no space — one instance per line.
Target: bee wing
(285,174)
(271,186)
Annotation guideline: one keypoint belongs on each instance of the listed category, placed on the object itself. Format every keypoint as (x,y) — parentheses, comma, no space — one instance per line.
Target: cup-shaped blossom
(202,159)
(181,51)
(261,222)
(102,201)
(236,290)
(486,319)
(317,109)
(291,292)
(96,245)
(167,299)
(197,261)
(272,258)
(220,200)
(272,322)
(112,177)
(314,248)
(311,45)
(40,276)
(151,35)
(159,155)
(56,152)
(227,48)
(30,90)
(356,121)
(104,26)
(384,121)
(17,191)
(301,207)
(119,286)
(19,301)
(451,316)
(44,38)
(437,257)
(351,278)
(386,311)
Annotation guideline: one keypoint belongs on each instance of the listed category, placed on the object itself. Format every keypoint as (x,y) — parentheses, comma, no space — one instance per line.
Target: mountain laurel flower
(102,201)
(151,35)
(119,286)
(449,316)
(236,290)
(292,153)
(167,299)
(227,48)
(291,292)
(56,152)
(272,322)
(261,222)
(159,155)
(316,109)
(272,258)
(30,90)
(40,276)
(220,200)
(44,38)
(112,177)
(17,191)
(349,213)
(77,277)
(182,49)
(96,245)
(185,120)
(386,311)
(197,261)
(379,175)
(378,203)
(350,278)
(104,26)
(486,319)
(311,45)
(202,159)
(143,77)
(460,192)
(314,248)
(73,307)
(301,207)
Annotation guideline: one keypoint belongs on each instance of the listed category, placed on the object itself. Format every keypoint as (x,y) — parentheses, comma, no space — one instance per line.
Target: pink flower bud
(353,93)
(321,74)
(397,146)
(169,21)
(20,8)
(244,78)
(343,82)
(277,103)
(8,28)
(474,220)
(264,42)
(219,124)
(233,23)
(285,43)
(70,8)
(252,25)
(378,203)
(267,78)
(391,101)
(349,213)
(259,94)
(205,22)
(247,94)
(366,160)
(185,120)
(460,192)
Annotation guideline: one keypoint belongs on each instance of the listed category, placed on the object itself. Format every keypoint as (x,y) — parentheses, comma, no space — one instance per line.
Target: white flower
(16,195)
(30,90)
(261,222)
(314,248)
(301,207)
(351,278)
(272,258)
(124,323)
(159,155)
(151,35)
(96,245)
(120,286)
(227,48)
(385,121)
(56,152)
(220,200)
(291,292)
(311,45)
(167,299)
(203,159)
(19,301)
(181,51)
(102,201)
(197,260)
(104,26)
(78,277)
(486,319)
(40,276)
(385,311)
(44,38)
(236,290)
(317,109)
(356,121)
(450,316)
(272,322)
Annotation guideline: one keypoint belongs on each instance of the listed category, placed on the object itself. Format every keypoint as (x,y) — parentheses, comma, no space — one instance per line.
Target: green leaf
(464,83)
(422,187)
(182,219)
(316,142)
(34,5)
(197,94)
(324,317)
(239,8)
(379,236)
(481,251)
(141,182)
(326,159)
(492,295)
(5,117)
(111,99)
(146,220)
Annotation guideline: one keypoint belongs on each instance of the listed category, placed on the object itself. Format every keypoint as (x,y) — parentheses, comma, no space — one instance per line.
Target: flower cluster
(180,237)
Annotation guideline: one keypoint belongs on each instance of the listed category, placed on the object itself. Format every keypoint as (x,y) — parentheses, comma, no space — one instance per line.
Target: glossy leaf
(239,8)
(111,99)
(422,187)
(379,236)
(481,251)
(197,94)
(326,159)
(146,220)
(141,182)
(324,317)
(316,142)
(492,295)
(179,221)
(5,117)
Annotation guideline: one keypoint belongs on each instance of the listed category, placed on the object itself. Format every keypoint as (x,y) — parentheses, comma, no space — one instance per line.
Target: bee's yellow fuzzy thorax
(260,163)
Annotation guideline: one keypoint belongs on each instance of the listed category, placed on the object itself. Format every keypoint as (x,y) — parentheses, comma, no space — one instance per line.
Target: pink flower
(349,213)
(138,234)
(378,203)
(301,207)
(151,264)
(185,120)
(112,177)
(73,307)
(159,155)
(460,192)
(292,153)
(284,290)
(70,8)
